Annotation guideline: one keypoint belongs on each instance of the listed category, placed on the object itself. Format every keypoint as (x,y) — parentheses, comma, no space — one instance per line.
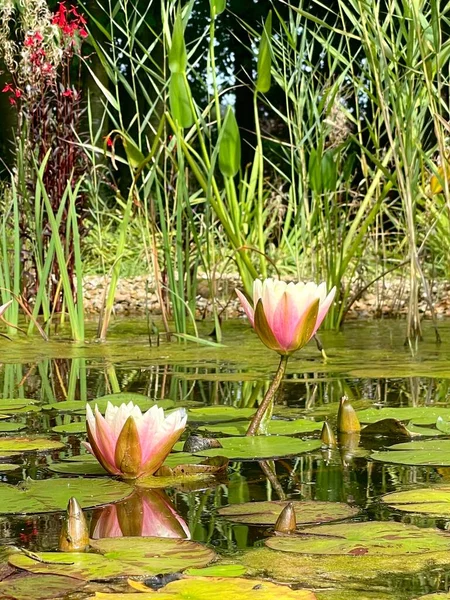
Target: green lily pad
(7,427)
(219,570)
(418,415)
(275,427)
(427,452)
(53,494)
(79,406)
(71,428)
(219,414)
(6,467)
(261,447)
(266,513)
(29,445)
(7,404)
(359,539)
(430,501)
(120,557)
(443,425)
(38,587)
(219,588)
(66,406)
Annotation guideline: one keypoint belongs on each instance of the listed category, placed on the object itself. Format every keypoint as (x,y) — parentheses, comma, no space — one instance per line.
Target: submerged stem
(268,398)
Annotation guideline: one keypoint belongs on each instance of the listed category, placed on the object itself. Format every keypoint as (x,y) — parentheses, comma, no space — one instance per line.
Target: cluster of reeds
(339,189)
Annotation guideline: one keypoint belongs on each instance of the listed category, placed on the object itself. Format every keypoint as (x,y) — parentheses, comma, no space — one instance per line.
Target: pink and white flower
(286,315)
(130,444)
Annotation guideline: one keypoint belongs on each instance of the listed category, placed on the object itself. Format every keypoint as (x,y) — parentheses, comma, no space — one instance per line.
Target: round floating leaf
(432,501)
(70,428)
(443,425)
(219,414)
(266,513)
(11,426)
(260,447)
(359,539)
(9,404)
(38,587)
(78,468)
(391,428)
(29,445)
(66,406)
(120,557)
(219,588)
(275,427)
(79,406)
(53,494)
(427,452)
(418,415)
(6,467)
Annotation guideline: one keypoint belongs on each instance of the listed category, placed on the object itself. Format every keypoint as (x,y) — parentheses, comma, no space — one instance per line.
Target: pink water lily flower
(286,315)
(131,444)
(146,513)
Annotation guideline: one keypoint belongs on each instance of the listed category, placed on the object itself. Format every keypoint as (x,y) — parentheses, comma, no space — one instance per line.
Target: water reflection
(144,513)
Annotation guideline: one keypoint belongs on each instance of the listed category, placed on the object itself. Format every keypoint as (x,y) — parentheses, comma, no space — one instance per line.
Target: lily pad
(8,426)
(391,428)
(430,501)
(120,557)
(11,404)
(219,414)
(275,427)
(38,587)
(427,452)
(218,570)
(261,447)
(360,539)
(418,415)
(29,445)
(6,467)
(266,513)
(219,588)
(53,494)
(71,428)
(79,406)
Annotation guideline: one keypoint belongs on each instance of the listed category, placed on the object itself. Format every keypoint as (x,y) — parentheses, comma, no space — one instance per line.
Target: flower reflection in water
(144,513)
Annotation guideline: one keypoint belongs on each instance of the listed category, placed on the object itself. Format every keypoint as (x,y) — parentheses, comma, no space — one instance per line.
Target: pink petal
(105,440)
(324,308)
(246,306)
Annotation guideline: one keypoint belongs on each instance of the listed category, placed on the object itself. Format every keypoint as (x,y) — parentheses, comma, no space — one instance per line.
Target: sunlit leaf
(259,447)
(53,494)
(360,539)
(177,52)
(179,96)
(38,587)
(230,146)
(265,57)
(430,500)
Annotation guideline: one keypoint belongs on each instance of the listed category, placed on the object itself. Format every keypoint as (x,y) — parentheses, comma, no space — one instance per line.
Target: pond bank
(136,295)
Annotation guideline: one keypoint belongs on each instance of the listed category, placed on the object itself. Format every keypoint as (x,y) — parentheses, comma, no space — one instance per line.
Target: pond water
(363,544)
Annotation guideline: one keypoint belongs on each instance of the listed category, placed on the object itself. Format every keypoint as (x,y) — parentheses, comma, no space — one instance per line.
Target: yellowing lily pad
(120,557)
(23,444)
(261,447)
(266,513)
(430,501)
(275,427)
(217,588)
(38,587)
(6,467)
(360,539)
(53,494)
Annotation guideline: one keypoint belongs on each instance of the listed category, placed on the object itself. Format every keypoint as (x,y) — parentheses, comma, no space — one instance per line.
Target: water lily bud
(327,436)
(128,455)
(347,420)
(286,522)
(74,535)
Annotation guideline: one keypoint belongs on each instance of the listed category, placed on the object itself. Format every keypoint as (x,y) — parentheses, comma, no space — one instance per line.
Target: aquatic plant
(130,444)
(285,316)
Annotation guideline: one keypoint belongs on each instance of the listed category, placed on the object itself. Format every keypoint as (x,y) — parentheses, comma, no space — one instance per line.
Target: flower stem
(268,398)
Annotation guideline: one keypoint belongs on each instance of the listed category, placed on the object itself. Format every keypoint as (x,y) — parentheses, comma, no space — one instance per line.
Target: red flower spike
(83,33)
(17,93)
(8,88)
(68,93)
(11,100)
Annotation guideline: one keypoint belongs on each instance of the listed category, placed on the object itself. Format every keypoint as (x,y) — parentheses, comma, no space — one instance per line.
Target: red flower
(83,33)
(109,141)
(12,101)
(17,93)
(68,93)
(8,88)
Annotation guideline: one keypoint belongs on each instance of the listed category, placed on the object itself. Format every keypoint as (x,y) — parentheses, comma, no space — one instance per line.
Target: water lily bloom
(286,315)
(131,444)
(144,513)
